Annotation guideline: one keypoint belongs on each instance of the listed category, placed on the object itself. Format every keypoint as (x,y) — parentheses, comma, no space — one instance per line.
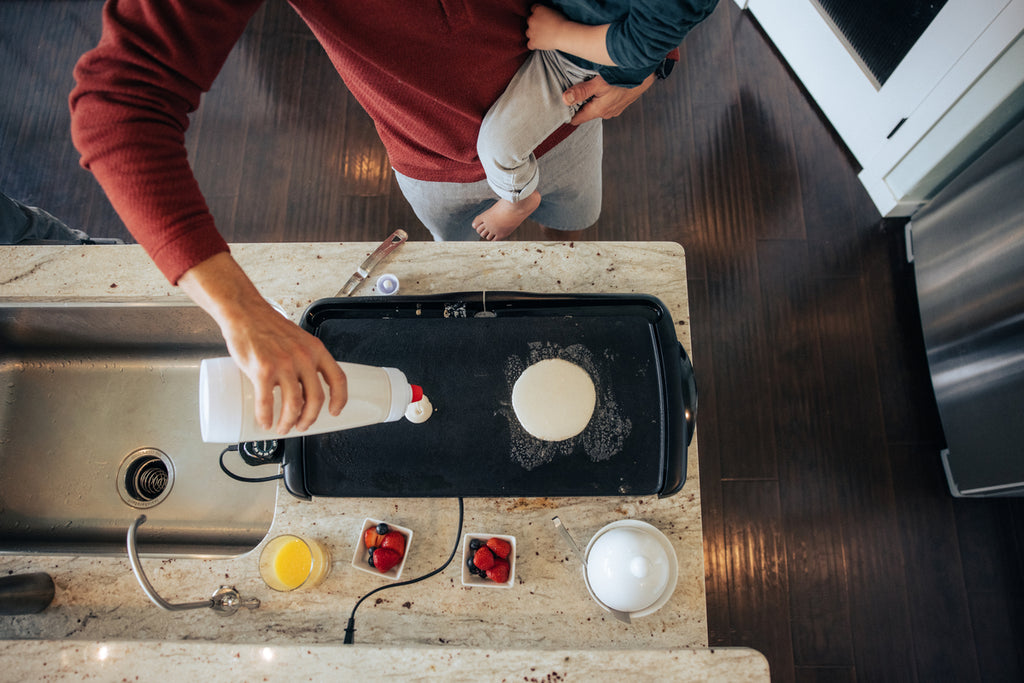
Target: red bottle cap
(417,392)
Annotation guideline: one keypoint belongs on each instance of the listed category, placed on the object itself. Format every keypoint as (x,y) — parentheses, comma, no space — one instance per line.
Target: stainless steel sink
(99,423)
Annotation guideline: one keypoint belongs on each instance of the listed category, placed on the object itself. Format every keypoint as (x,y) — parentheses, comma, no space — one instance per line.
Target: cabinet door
(863,113)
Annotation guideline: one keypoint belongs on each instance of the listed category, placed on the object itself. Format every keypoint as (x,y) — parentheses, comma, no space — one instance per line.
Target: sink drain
(145,477)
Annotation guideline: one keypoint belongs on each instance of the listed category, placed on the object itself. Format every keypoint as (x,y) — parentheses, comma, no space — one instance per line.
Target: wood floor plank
(908,401)
(756,563)
(316,198)
(218,131)
(764,87)
(721,190)
(716,566)
(825,674)
(818,589)
(742,385)
(939,610)
(272,117)
(625,205)
(999,657)
(992,567)
(365,169)
(669,166)
(838,217)
(719,170)
(879,615)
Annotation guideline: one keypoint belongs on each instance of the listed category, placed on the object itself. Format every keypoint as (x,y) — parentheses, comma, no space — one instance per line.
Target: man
(426,74)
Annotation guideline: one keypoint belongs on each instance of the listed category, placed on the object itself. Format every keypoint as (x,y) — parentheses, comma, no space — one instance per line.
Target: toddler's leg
(530,110)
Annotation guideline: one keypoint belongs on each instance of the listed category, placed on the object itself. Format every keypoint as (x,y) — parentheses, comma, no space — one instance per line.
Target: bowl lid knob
(639,567)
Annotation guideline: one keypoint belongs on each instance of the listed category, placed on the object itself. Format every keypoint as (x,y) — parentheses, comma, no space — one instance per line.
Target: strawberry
(393,540)
(500,547)
(371,538)
(499,572)
(483,559)
(384,559)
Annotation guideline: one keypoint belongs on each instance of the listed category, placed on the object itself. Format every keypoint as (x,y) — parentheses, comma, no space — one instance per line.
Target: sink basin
(99,423)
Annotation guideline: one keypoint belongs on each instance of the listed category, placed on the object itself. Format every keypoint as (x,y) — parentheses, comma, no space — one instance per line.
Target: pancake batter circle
(554,399)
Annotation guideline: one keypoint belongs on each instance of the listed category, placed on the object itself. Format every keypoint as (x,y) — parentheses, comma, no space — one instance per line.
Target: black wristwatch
(665,68)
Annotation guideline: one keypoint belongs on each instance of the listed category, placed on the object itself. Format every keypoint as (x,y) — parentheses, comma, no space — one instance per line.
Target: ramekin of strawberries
(488,560)
(382,548)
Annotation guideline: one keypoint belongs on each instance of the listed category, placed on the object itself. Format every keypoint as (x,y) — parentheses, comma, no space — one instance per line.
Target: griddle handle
(689,394)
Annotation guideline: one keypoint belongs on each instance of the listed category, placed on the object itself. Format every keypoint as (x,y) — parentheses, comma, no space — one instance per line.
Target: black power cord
(247,480)
(351,628)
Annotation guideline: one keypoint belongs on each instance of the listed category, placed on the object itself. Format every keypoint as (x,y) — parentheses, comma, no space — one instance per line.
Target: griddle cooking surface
(473,445)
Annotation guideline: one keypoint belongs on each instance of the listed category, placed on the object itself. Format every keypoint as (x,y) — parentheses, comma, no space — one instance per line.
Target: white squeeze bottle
(227,402)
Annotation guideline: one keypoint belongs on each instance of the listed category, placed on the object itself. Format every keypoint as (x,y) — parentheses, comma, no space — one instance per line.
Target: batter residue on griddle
(603,436)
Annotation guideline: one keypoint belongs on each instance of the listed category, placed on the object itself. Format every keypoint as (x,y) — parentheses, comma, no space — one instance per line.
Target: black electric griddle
(466,350)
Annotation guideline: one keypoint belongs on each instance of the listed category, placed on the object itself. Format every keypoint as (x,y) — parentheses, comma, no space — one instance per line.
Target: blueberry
(470,565)
(369,558)
(383,529)
(475,544)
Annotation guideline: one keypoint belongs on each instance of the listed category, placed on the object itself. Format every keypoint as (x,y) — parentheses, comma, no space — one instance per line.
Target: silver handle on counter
(571,541)
(225,601)
(386,247)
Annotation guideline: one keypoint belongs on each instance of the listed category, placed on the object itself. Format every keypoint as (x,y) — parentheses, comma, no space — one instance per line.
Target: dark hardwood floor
(831,544)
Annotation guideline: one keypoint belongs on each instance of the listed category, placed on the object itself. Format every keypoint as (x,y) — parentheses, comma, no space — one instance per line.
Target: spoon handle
(569,539)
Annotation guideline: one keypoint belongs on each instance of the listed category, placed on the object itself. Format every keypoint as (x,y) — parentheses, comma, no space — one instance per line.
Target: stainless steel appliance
(968,252)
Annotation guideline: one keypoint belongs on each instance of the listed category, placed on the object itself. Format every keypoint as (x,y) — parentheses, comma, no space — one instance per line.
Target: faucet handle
(227,601)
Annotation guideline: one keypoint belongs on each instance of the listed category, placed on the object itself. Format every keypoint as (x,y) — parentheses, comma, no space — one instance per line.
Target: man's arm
(129,112)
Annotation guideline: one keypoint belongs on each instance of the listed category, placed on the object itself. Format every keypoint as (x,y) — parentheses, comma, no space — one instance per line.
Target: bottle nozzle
(417,392)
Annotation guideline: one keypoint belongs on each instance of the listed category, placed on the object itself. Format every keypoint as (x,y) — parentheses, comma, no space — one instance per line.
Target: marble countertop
(100,605)
(210,662)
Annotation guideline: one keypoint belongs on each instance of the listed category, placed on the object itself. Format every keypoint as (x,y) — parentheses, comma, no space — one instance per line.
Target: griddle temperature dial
(261,452)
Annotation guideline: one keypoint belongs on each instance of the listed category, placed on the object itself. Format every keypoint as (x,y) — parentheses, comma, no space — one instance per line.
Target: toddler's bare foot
(502,219)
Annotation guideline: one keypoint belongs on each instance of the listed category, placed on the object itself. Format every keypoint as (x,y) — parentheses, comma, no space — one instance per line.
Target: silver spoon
(621,616)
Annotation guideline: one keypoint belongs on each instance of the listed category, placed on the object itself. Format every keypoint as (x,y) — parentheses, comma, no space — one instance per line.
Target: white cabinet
(959,85)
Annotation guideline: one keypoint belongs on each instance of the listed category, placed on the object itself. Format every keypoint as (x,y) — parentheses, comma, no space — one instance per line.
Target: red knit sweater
(426,76)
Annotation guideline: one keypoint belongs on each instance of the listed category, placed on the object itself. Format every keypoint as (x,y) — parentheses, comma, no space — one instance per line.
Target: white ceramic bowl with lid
(631,567)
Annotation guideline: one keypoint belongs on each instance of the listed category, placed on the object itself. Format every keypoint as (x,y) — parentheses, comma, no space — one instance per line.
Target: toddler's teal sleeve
(652,29)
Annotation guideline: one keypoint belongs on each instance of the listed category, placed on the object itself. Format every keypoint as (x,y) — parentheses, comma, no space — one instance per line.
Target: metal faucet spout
(225,601)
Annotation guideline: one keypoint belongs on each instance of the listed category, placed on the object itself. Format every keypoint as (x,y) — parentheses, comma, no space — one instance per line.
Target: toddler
(623,41)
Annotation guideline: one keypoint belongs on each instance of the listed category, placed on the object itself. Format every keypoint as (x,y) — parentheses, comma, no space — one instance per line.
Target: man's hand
(275,352)
(605,101)
(270,349)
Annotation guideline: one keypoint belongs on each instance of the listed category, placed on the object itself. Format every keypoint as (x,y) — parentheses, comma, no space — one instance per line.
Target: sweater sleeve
(652,29)
(129,113)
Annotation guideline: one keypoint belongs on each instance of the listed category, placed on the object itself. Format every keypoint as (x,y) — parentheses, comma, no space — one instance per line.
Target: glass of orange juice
(289,562)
